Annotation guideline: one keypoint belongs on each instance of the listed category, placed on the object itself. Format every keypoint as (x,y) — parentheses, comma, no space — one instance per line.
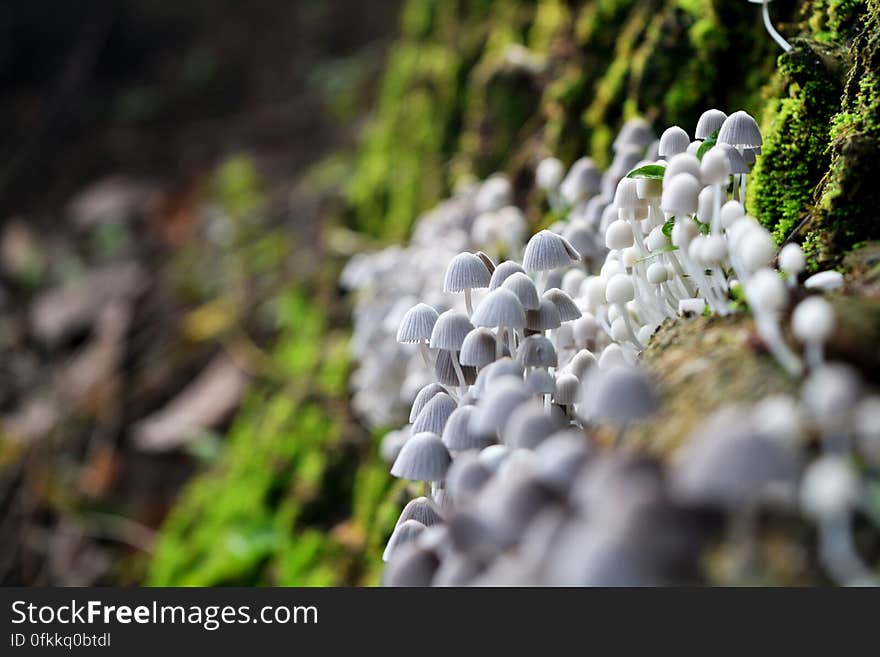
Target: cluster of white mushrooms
(525,354)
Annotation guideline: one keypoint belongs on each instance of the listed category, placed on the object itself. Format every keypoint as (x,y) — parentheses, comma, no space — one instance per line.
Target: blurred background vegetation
(181,182)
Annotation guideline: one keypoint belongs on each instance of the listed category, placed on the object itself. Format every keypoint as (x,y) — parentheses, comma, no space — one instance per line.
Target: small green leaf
(666,249)
(709,142)
(667,228)
(704,228)
(650,171)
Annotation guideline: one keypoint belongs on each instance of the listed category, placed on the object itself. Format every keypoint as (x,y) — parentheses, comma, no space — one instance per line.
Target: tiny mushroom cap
(813,320)
(545,318)
(756,249)
(740,129)
(466,271)
(500,307)
(404,533)
(424,396)
(791,259)
(673,141)
(450,330)
(530,424)
(434,414)
(524,289)
(581,363)
(504,395)
(457,435)
(710,121)
(493,456)
(547,250)
(466,476)
(620,289)
(584,329)
(830,392)
(626,196)
(392,443)
(478,348)
(567,386)
(824,280)
(730,212)
(582,181)
(618,395)
(502,271)
(561,458)
(618,235)
(548,173)
(611,356)
(537,351)
(829,489)
(681,195)
(417,324)
(657,273)
(635,131)
(423,457)
(410,566)
(715,167)
(730,464)
(766,292)
(566,306)
(681,163)
(494,194)
(422,510)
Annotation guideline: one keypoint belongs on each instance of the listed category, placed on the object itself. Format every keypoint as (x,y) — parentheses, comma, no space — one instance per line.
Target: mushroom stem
(453,356)
(511,342)
(838,553)
(769,332)
(427,489)
(627,320)
(468,302)
(423,349)
(679,270)
(814,352)
(776,36)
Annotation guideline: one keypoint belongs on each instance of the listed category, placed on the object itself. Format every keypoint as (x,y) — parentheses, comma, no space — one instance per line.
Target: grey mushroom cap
(423,397)
(731,464)
(505,366)
(618,395)
(581,363)
(445,372)
(561,457)
(410,566)
(567,387)
(529,425)
(547,250)
(466,477)
(546,317)
(434,414)
(472,536)
(636,132)
(404,533)
(422,510)
(423,457)
(450,330)
(466,271)
(584,240)
(673,141)
(493,457)
(478,348)
(417,324)
(457,435)
(503,271)
(537,351)
(710,121)
(505,394)
(566,306)
(500,308)
(582,181)
(524,289)
(457,570)
(740,129)
(508,504)
(540,382)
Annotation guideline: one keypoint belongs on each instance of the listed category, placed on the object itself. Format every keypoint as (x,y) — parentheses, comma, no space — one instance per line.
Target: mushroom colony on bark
(511,351)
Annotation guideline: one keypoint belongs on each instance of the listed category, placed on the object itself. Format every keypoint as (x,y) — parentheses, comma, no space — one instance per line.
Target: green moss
(797,126)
